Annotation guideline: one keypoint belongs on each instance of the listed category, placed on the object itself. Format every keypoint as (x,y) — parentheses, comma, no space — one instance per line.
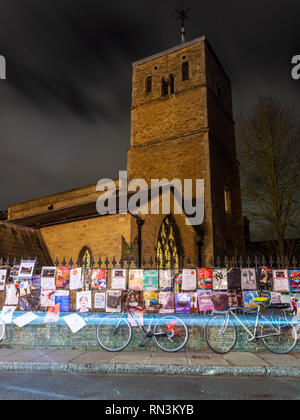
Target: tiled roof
(22,242)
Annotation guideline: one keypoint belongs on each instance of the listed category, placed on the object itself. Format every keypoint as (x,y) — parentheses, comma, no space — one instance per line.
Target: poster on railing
(35,283)
(183,303)
(220,301)
(3,277)
(235,299)
(113,301)
(7,314)
(74,322)
(294,277)
(248,298)
(119,279)
(48,295)
(150,280)
(285,299)
(23,287)
(194,302)
(26,269)
(204,278)
(11,297)
(189,280)
(167,302)
(135,298)
(248,278)
(99,301)
(220,279)
(48,273)
(62,277)
(264,276)
(25,319)
(234,279)
(151,301)
(62,298)
(205,300)
(14,271)
(84,301)
(87,277)
(166,280)
(52,316)
(76,281)
(98,280)
(275,298)
(136,279)
(281,281)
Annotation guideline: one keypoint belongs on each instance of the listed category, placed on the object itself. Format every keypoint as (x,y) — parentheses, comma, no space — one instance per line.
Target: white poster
(7,314)
(26,270)
(220,279)
(99,302)
(3,276)
(189,280)
(275,298)
(76,281)
(166,278)
(248,277)
(25,319)
(119,279)
(74,322)
(285,299)
(11,297)
(84,301)
(281,281)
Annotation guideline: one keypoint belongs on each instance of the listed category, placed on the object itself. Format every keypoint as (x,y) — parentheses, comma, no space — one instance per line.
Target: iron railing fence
(256,261)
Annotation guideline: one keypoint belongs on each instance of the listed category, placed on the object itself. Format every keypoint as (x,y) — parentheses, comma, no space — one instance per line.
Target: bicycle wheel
(114,333)
(285,341)
(221,334)
(2,329)
(170,334)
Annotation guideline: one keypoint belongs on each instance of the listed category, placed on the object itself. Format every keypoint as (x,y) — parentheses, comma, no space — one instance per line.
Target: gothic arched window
(169,247)
(85,257)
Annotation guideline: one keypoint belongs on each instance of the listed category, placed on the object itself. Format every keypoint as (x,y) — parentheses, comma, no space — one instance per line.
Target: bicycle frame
(147,333)
(253,335)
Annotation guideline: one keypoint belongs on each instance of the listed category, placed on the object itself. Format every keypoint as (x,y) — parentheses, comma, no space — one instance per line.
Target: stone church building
(181,128)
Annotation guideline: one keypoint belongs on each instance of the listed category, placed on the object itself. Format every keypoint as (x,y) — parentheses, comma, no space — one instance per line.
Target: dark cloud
(65,107)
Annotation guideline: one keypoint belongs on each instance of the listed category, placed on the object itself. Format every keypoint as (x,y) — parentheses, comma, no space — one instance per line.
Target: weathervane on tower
(182,15)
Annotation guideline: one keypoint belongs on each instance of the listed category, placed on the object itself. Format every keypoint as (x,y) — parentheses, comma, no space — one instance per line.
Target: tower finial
(182,15)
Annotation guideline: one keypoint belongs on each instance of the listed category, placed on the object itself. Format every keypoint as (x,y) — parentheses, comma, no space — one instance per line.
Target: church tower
(182,127)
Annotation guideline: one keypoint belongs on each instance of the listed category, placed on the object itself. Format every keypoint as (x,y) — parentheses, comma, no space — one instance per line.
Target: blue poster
(63,298)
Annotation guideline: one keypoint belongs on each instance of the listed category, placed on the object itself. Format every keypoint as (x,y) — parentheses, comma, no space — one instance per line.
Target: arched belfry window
(85,256)
(185,71)
(169,248)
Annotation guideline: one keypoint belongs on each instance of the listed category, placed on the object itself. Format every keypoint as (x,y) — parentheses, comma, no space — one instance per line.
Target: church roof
(22,242)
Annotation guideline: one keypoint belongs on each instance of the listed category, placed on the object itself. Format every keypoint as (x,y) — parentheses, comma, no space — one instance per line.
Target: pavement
(193,363)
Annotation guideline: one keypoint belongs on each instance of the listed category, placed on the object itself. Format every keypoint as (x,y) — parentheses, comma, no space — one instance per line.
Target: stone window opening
(149,84)
(172,84)
(185,71)
(164,87)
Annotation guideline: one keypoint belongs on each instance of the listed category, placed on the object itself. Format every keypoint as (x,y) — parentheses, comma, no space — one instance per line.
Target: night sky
(64,108)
